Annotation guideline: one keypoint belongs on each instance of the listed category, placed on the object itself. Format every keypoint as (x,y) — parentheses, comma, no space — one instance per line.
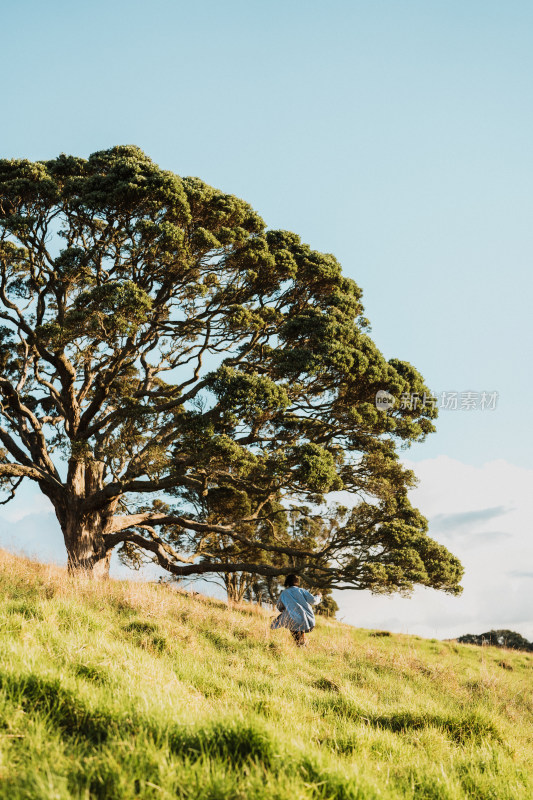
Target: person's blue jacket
(296,606)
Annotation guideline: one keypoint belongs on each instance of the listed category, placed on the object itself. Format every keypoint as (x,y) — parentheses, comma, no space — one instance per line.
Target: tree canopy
(178,381)
(500,638)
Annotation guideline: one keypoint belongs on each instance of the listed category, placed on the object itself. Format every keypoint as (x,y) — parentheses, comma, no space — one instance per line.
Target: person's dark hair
(292,580)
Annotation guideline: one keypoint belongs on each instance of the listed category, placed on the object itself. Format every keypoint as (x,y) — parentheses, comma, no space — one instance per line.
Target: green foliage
(393,551)
(316,468)
(247,395)
(327,607)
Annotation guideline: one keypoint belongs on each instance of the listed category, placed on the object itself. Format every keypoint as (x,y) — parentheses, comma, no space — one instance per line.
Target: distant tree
(174,375)
(328,607)
(500,638)
(311,531)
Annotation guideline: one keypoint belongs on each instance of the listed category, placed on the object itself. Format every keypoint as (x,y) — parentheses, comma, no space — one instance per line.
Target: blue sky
(396,135)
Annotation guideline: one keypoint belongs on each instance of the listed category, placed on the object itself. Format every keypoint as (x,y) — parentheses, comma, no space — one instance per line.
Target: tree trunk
(236,585)
(86,550)
(84,532)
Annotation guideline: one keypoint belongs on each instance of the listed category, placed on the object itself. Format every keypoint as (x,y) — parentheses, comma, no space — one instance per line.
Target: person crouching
(296,606)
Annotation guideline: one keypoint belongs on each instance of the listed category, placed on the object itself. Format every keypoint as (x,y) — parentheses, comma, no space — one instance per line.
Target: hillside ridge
(122,689)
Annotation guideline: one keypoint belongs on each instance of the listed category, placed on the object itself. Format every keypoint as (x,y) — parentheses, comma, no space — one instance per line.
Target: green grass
(124,690)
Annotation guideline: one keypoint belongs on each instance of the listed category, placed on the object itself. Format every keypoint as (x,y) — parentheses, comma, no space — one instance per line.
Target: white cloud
(483,515)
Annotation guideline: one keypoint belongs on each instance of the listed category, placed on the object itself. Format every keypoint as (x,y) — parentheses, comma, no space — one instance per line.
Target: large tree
(174,376)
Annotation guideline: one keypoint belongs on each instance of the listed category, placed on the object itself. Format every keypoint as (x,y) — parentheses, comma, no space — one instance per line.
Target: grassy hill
(128,690)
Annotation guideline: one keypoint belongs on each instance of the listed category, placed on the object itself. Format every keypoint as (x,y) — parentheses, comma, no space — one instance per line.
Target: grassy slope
(129,690)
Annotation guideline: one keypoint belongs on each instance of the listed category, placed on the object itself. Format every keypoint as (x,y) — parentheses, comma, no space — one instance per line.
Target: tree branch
(12,492)
(34,473)
(202,567)
(119,524)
